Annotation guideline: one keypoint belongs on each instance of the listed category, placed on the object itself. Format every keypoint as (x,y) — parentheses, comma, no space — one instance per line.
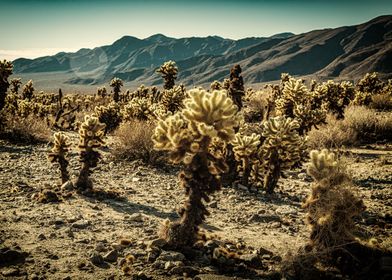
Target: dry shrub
(360,125)
(26,130)
(258,106)
(133,142)
(381,102)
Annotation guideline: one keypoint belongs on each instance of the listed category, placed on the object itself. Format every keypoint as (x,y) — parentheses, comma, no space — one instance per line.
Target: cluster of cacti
(172,99)
(109,115)
(116,84)
(16,83)
(261,159)
(332,204)
(188,136)
(102,92)
(334,97)
(59,152)
(91,134)
(236,88)
(169,73)
(297,102)
(28,90)
(141,108)
(6,68)
(216,85)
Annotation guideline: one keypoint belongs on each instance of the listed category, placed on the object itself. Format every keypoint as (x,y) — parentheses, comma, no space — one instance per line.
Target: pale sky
(44,27)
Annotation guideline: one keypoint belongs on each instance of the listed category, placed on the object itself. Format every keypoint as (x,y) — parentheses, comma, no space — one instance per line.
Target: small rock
(81,224)
(171,256)
(96,259)
(112,256)
(242,187)
(266,257)
(276,225)
(100,247)
(135,179)
(158,243)
(67,186)
(136,217)
(41,236)
(188,271)
(251,259)
(10,272)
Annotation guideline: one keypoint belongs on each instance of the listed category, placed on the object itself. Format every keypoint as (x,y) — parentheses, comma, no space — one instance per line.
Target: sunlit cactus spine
(281,149)
(116,84)
(16,83)
(28,90)
(188,136)
(91,134)
(332,204)
(6,69)
(236,88)
(168,71)
(59,154)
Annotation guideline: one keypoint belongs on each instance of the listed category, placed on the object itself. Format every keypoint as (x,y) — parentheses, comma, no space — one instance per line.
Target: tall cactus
(16,83)
(168,71)
(59,154)
(236,88)
(28,90)
(116,84)
(6,69)
(188,135)
(91,135)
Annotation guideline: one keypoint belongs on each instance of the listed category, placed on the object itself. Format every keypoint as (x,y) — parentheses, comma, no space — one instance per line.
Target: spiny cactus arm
(322,164)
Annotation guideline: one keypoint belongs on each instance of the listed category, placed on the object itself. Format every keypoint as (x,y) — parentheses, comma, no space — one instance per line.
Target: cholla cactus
(370,83)
(216,85)
(245,149)
(109,115)
(116,84)
(102,92)
(236,89)
(91,137)
(169,73)
(172,99)
(28,90)
(59,153)
(140,109)
(16,83)
(188,135)
(297,102)
(281,149)
(332,205)
(334,97)
(6,68)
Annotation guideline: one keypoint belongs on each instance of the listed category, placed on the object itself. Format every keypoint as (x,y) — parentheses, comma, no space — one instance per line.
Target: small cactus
(28,90)
(16,83)
(91,135)
(59,154)
(236,89)
(332,204)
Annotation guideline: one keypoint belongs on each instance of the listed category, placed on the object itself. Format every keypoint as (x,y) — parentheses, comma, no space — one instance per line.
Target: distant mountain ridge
(345,53)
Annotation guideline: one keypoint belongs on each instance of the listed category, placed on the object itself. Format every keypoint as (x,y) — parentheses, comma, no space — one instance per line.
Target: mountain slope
(343,53)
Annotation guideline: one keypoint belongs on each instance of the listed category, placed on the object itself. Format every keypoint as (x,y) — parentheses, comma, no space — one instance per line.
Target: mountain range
(340,53)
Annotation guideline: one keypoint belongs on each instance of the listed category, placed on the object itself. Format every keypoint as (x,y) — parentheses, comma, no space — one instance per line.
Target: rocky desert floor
(82,237)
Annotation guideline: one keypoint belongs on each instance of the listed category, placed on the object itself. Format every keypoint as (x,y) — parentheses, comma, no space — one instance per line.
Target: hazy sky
(34,28)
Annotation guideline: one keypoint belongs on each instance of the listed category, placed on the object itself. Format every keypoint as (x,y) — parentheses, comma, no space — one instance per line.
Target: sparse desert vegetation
(291,180)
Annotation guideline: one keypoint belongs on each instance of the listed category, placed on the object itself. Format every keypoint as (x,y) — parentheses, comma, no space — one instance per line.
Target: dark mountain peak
(126,40)
(158,38)
(283,35)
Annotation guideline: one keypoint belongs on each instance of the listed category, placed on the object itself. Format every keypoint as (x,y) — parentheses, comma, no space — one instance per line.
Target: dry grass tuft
(382,102)
(134,142)
(360,125)
(26,130)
